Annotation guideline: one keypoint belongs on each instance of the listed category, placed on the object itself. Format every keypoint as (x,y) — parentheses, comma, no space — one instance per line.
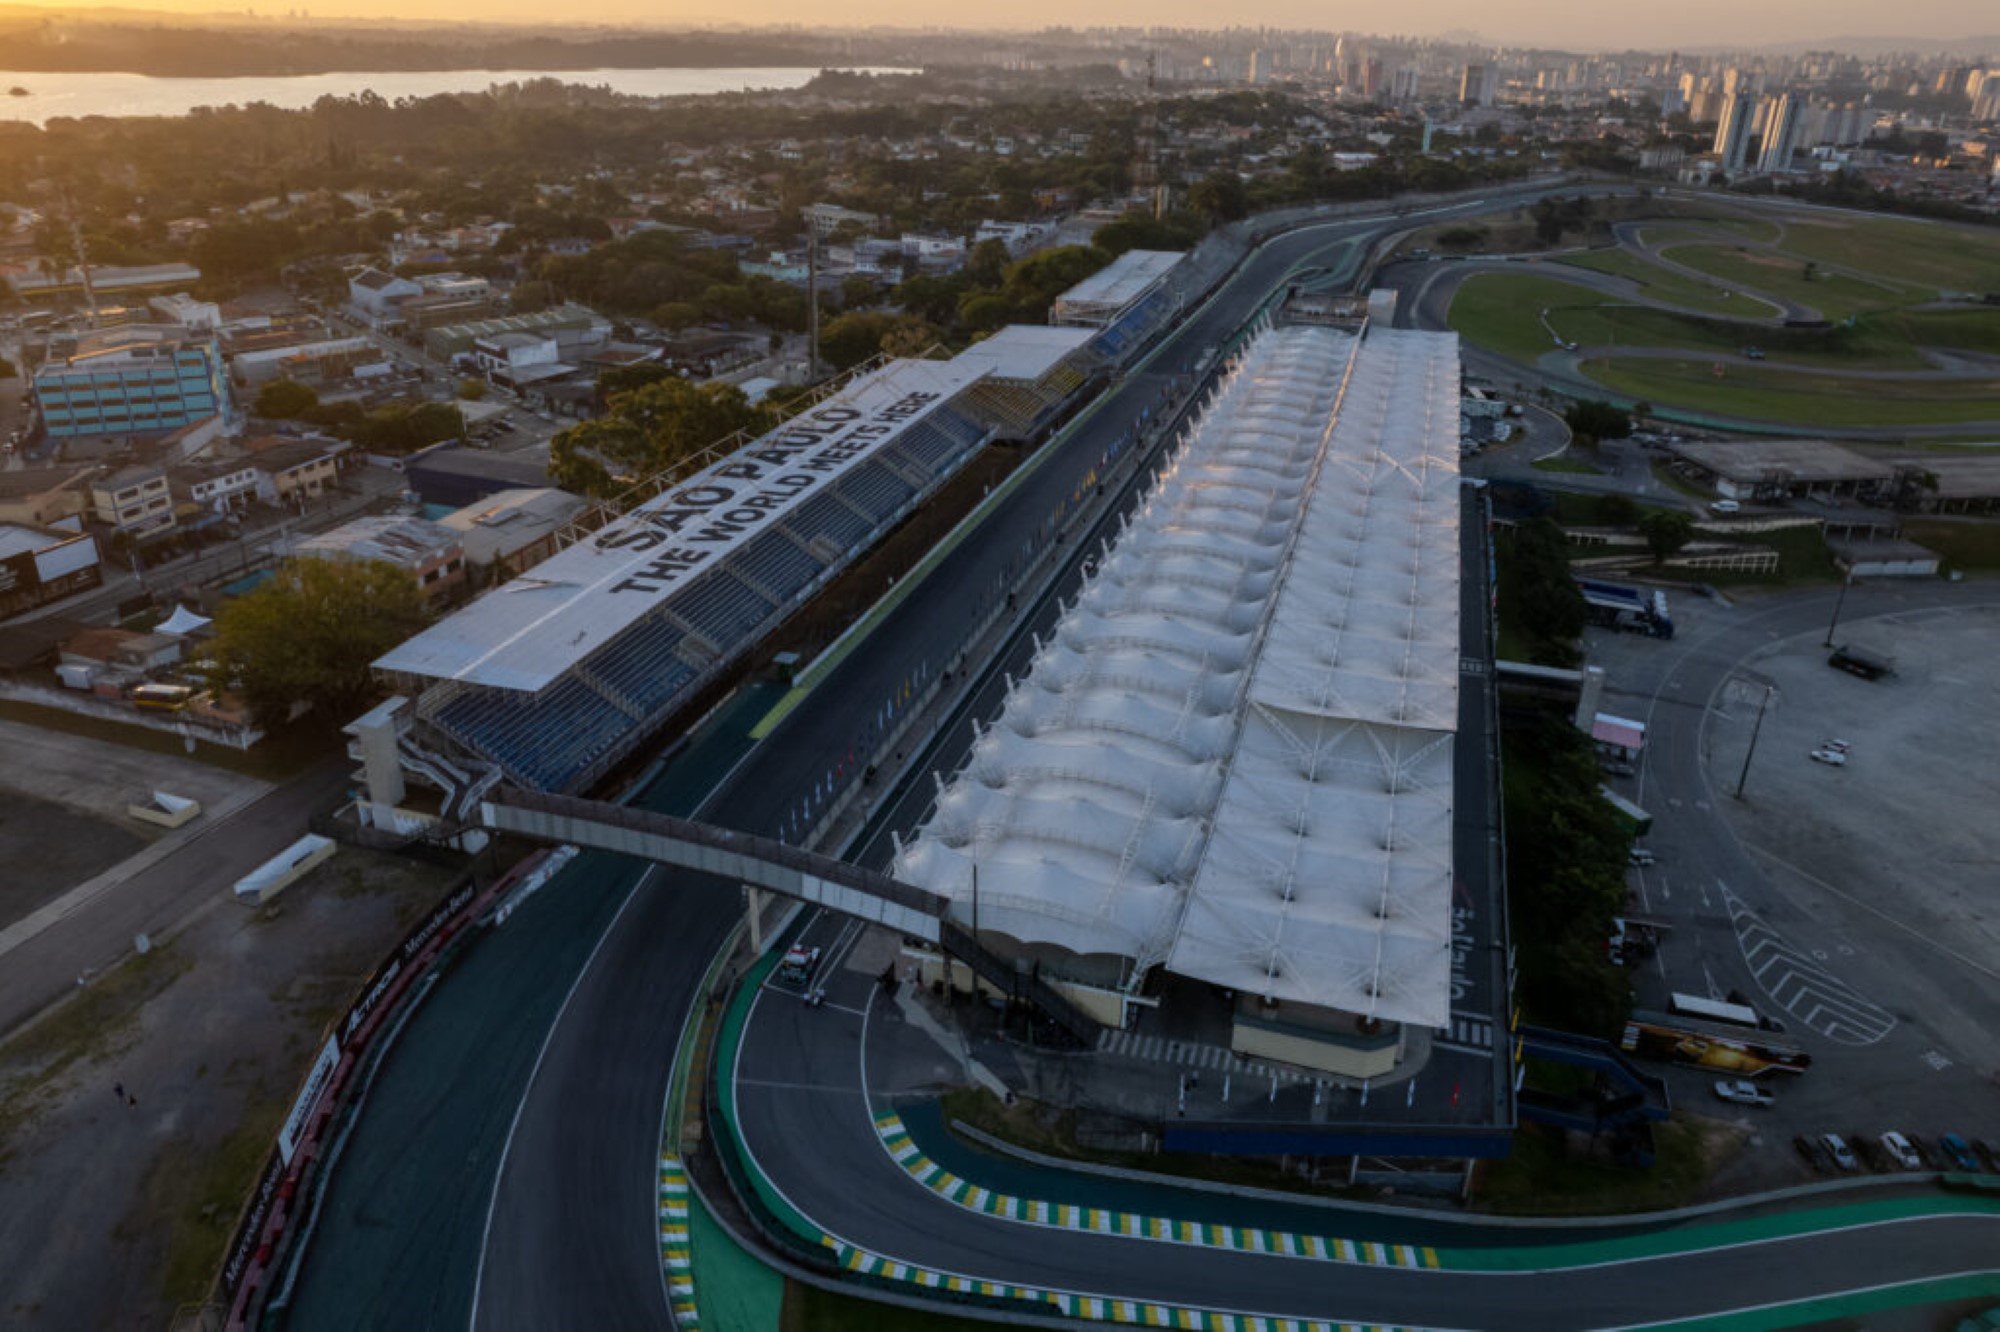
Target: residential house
(429,552)
(294,471)
(377,297)
(40,496)
(215,487)
(39,565)
(134,501)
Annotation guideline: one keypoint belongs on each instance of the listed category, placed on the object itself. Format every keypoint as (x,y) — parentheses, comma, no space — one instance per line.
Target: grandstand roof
(526,633)
(1025,352)
(1234,755)
(1121,281)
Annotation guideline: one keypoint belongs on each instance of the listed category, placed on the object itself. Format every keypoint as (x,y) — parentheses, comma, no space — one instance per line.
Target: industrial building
(1232,759)
(1782,469)
(137,380)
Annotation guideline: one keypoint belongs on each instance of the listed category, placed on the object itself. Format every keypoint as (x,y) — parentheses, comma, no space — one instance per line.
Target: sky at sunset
(1561,23)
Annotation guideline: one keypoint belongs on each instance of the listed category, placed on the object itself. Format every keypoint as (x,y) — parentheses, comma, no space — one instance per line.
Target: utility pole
(1838,602)
(1756,727)
(975,901)
(812,302)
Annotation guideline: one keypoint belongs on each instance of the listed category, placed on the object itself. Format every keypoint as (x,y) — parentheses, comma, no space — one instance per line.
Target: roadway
(799,1082)
(503,1168)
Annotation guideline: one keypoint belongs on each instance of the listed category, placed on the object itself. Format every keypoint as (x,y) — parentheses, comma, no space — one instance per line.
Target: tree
(1592,420)
(856,291)
(987,265)
(471,390)
(1537,596)
(649,429)
(1220,197)
(305,638)
(854,337)
(1461,237)
(1617,510)
(909,337)
(1666,531)
(285,400)
(985,312)
(7,370)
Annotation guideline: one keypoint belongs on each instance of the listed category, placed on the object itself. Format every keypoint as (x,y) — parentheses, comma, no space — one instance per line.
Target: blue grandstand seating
(545,739)
(722,608)
(935,445)
(877,490)
(1130,329)
(774,564)
(641,666)
(825,516)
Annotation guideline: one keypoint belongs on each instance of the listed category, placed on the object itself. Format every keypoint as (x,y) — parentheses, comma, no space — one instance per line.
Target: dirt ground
(134,1117)
(48,847)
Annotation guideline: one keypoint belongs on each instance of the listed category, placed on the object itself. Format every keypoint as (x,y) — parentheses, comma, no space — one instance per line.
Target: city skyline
(1537,23)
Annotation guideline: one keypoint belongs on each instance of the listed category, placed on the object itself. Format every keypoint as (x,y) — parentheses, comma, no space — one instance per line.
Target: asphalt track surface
(813,1135)
(501,1172)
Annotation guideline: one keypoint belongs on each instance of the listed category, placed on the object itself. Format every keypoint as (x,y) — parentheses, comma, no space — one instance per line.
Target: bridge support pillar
(753,906)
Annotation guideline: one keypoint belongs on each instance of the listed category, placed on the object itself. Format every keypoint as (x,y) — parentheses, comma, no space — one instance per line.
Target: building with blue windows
(137,380)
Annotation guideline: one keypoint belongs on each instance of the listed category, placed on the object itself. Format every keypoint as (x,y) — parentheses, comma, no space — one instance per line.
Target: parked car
(1753,353)
(1959,1152)
(1725,506)
(1809,1152)
(1833,757)
(1838,1151)
(1900,1152)
(1838,746)
(1989,1159)
(1641,857)
(1742,1091)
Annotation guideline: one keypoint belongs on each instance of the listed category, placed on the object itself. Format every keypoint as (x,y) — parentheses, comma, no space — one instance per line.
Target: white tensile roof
(1234,754)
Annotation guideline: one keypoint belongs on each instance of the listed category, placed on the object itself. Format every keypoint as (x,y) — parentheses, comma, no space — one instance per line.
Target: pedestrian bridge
(767,864)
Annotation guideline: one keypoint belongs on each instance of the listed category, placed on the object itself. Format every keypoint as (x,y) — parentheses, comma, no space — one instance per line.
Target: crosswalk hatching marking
(1471,1032)
(1191,1054)
(1801,986)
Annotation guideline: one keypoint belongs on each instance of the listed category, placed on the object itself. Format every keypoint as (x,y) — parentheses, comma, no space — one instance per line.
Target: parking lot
(1857,904)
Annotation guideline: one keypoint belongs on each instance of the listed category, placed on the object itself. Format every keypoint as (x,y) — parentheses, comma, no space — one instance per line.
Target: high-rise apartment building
(1781,127)
(1732,131)
(1479,85)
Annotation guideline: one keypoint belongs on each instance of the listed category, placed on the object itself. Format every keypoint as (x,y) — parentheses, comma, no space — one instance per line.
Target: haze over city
(1560,24)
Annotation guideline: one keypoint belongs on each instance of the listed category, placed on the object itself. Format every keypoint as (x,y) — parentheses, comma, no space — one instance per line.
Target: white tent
(183,622)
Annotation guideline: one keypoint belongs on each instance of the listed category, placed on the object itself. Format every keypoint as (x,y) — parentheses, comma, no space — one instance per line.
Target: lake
(51,95)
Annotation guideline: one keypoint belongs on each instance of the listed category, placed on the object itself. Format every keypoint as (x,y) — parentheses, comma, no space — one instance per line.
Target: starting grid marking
(1190,1054)
(674,1253)
(904,1151)
(1098,1308)
(1801,986)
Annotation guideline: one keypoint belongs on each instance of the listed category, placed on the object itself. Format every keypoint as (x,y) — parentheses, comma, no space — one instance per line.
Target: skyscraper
(1781,129)
(1478,85)
(1732,132)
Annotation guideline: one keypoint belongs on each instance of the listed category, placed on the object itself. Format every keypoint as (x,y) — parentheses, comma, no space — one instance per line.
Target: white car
(1725,506)
(1832,756)
(1742,1091)
(1836,1147)
(1641,857)
(1902,1151)
(1837,746)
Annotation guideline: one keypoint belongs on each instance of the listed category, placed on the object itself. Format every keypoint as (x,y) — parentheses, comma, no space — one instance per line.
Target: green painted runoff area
(1835,1309)
(735,1291)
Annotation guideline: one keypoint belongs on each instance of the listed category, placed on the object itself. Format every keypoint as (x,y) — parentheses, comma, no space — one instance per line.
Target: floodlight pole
(1749,753)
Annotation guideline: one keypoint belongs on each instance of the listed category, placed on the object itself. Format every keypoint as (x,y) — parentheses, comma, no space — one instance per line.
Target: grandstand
(561,673)
(1231,760)
(1126,302)
(1030,372)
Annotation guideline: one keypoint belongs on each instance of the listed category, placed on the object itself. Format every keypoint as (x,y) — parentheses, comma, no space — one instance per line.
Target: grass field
(1834,295)
(1772,393)
(1671,288)
(1498,311)
(1709,228)
(1503,312)
(1923,254)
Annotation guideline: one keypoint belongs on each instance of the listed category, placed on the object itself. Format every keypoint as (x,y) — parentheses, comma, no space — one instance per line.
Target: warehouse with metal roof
(1232,758)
